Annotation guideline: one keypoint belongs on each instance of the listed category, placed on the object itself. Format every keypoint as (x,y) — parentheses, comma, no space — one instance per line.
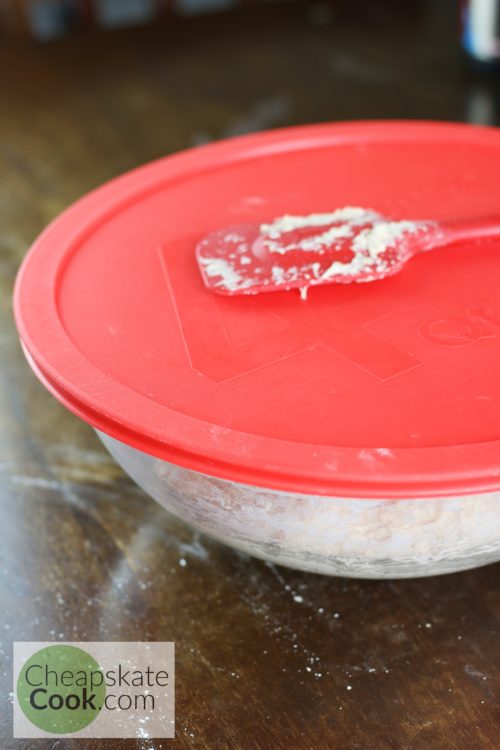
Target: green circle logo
(61,689)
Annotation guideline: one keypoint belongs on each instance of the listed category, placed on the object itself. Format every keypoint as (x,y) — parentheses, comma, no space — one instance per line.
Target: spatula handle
(463,230)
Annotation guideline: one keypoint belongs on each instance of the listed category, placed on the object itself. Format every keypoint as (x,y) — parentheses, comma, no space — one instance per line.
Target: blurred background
(90,88)
(50,19)
(120,81)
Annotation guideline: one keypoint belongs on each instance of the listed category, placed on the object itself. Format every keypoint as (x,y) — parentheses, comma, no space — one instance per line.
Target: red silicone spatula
(344,246)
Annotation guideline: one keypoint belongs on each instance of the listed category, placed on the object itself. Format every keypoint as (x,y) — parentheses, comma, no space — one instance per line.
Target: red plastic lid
(389,389)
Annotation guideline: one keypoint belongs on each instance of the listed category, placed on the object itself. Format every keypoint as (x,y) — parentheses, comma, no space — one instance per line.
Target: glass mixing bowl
(362,538)
(354,433)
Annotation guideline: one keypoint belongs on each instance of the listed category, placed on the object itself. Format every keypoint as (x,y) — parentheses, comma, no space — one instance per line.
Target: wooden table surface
(86,555)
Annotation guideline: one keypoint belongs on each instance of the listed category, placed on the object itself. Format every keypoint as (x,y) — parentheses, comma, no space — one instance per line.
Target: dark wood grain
(84,554)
